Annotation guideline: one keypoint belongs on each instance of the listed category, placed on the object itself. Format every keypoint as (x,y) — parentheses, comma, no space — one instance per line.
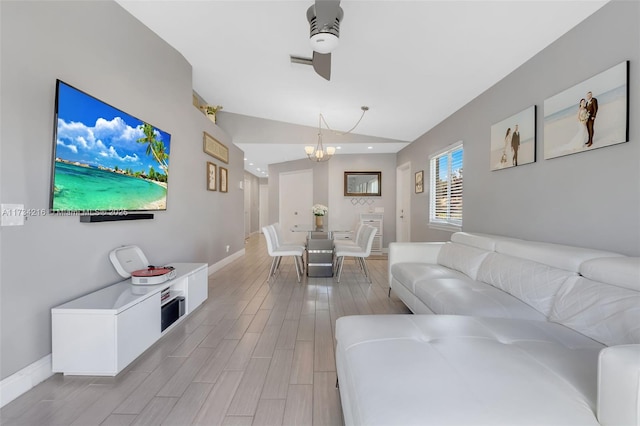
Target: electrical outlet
(227,248)
(12,215)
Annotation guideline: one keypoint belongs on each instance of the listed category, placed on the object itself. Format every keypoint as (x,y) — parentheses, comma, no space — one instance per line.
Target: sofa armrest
(619,385)
(413,252)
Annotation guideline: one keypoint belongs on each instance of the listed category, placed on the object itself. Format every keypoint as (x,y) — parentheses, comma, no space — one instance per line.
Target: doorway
(403,202)
(295,202)
(247,208)
(263,206)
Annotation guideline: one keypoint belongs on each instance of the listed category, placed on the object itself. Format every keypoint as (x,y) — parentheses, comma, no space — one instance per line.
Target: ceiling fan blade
(326,12)
(300,60)
(322,64)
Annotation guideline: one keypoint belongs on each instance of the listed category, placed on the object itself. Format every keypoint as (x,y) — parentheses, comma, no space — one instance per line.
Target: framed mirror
(362,184)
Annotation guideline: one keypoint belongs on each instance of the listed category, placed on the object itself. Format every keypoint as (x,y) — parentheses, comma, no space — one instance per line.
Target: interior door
(247,208)
(296,201)
(403,202)
(263,207)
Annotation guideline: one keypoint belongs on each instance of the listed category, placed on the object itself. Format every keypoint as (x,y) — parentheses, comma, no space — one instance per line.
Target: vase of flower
(319,211)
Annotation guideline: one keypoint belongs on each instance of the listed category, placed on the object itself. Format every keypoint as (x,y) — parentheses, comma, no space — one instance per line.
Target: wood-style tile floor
(255,353)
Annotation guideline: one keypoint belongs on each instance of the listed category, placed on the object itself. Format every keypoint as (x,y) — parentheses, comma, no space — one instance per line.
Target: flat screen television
(105,160)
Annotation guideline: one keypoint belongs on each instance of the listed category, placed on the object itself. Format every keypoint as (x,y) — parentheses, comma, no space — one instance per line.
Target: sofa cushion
(464,296)
(408,273)
(463,258)
(606,313)
(532,282)
(446,370)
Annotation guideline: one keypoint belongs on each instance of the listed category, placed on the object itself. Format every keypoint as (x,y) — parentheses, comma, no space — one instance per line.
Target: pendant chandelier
(319,153)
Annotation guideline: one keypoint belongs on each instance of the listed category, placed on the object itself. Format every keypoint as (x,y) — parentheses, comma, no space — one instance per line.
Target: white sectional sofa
(512,332)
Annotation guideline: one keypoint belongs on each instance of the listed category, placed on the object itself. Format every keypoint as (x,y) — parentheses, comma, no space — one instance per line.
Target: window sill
(445,227)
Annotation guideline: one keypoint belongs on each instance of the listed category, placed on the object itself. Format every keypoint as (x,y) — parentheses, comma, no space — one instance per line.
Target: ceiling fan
(324,18)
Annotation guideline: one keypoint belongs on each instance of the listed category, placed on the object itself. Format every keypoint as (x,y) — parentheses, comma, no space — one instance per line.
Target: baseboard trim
(18,383)
(224,262)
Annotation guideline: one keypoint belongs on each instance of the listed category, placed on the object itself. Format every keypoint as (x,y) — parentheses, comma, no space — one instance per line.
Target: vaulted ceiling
(412,62)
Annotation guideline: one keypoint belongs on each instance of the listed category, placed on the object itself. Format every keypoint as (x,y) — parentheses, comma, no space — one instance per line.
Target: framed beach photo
(592,114)
(212,174)
(419,182)
(224,179)
(513,140)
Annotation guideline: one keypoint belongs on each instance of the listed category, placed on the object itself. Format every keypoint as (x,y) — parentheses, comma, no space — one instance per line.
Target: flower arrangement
(320,210)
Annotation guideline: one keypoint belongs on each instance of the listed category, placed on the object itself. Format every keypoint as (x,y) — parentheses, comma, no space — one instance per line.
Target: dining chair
(351,243)
(281,239)
(277,252)
(360,252)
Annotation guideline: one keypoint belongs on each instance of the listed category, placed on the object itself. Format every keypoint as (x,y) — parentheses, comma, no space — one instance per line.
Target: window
(445,206)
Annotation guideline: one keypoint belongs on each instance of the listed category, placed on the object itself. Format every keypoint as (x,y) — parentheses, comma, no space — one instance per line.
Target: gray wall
(589,199)
(101,49)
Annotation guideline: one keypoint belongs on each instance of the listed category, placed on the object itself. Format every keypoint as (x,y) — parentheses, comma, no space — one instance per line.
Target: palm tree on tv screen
(155,147)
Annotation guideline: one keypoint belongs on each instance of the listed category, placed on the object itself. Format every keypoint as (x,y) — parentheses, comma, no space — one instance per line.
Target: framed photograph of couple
(513,140)
(592,114)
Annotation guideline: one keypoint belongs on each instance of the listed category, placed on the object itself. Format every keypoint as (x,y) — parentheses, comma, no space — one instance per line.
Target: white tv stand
(101,333)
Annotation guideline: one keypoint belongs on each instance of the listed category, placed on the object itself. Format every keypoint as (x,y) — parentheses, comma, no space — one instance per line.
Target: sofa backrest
(532,271)
(462,258)
(534,283)
(559,256)
(603,303)
(481,241)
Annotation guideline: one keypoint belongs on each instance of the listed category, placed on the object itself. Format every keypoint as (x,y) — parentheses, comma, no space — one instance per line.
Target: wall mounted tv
(105,160)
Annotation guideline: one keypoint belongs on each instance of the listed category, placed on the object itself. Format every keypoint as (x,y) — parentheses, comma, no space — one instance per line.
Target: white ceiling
(412,62)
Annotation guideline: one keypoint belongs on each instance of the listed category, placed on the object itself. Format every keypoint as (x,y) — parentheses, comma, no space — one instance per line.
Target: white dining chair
(277,252)
(360,252)
(353,242)
(281,238)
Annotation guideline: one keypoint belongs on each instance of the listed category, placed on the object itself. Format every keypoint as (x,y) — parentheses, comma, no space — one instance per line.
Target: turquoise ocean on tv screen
(87,188)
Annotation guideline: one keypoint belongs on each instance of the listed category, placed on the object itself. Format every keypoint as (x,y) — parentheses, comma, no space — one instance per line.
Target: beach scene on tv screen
(105,159)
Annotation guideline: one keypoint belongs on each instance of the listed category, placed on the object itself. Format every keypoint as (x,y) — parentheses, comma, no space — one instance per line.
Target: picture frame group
(217,176)
(589,115)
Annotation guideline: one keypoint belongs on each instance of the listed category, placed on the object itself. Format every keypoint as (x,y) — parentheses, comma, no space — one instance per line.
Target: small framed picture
(224,179)
(419,181)
(212,173)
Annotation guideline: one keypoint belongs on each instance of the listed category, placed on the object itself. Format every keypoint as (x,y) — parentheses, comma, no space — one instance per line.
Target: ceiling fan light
(324,42)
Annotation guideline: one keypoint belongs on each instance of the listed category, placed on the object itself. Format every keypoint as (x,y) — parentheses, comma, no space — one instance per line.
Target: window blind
(445,207)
